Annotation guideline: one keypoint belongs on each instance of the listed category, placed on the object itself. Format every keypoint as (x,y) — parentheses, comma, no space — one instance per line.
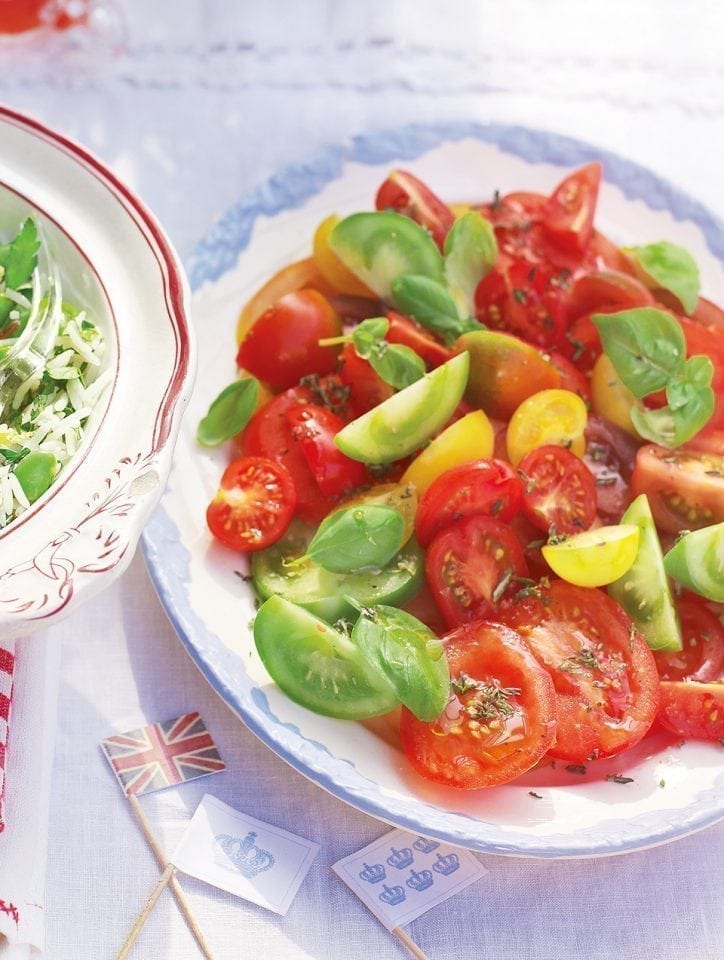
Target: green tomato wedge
(697,562)
(317,666)
(408,655)
(644,591)
(324,593)
(401,424)
(382,246)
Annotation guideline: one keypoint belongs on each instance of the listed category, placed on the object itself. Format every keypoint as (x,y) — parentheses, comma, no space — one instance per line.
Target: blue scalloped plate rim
(168,559)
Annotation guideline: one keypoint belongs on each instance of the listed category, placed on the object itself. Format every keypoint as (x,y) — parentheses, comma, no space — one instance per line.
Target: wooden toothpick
(146,912)
(409,943)
(176,888)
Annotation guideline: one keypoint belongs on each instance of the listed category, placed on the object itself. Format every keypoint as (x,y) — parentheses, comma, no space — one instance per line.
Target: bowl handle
(101,542)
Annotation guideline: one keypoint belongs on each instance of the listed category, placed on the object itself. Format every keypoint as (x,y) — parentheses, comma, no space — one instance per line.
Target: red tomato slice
(470,567)
(403,192)
(282,345)
(607,687)
(366,388)
(605,255)
(314,429)
(606,292)
(524,299)
(269,435)
(708,340)
(559,491)
(568,216)
(582,344)
(685,487)
(499,720)
(702,656)
(406,332)
(254,504)
(610,455)
(488,488)
(692,709)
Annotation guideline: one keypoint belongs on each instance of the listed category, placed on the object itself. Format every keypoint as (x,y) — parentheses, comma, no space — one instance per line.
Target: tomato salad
(477,461)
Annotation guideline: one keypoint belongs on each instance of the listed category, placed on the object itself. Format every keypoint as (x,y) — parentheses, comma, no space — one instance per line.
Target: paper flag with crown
(243,855)
(400,876)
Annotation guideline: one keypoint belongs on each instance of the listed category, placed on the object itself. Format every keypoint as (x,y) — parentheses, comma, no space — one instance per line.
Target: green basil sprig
(229,413)
(469,253)
(395,363)
(432,305)
(648,351)
(364,536)
(408,655)
(671,267)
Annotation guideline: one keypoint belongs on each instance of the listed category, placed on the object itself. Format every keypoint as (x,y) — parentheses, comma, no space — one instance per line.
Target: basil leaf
(432,306)
(671,267)
(690,405)
(14,456)
(470,250)
(229,413)
(355,538)
(366,335)
(397,364)
(658,426)
(408,655)
(646,347)
(20,257)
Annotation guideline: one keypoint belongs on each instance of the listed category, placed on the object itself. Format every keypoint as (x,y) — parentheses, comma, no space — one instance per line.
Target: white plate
(675,789)
(116,261)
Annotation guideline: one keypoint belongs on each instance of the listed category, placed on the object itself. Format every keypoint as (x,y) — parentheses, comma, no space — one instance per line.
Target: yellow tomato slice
(295,276)
(596,557)
(610,398)
(401,496)
(470,438)
(549,416)
(331,267)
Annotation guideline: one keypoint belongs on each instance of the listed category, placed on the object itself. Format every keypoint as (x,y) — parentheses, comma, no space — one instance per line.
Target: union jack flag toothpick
(162,754)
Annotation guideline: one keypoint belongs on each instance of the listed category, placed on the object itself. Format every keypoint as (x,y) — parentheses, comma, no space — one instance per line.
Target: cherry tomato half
(685,487)
(692,709)
(558,490)
(606,291)
(702,656)
(282,345)
(607,686)
(314,429)
(406,332)
(499,719)
(470,568)
(610,454)
(487,488)
(254,504)
(403,192)
(568,216)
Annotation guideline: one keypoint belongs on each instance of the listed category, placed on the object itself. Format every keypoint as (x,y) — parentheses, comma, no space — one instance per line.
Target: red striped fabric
(7,663)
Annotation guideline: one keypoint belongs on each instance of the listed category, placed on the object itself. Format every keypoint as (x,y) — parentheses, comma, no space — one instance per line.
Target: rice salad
(44,414)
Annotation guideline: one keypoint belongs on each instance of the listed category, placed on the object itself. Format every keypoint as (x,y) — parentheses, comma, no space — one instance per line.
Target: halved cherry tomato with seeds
(702,656)
(568,215)
(403,192)
(254,504)
(488,488)
(692,709)
(499,720)
(559,491)
(607,686)
(685,487)
(471,568)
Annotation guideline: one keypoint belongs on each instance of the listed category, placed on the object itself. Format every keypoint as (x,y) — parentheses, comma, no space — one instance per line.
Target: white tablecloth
(197,104)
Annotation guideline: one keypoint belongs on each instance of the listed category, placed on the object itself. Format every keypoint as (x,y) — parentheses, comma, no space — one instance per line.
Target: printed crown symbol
(373,873)
(420,881)
(446,865)
(243,855)
(424,845)
(392,895)
(400,858)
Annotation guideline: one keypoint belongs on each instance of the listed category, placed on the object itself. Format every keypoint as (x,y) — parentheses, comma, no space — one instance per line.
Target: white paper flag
(402,875)
(243,855)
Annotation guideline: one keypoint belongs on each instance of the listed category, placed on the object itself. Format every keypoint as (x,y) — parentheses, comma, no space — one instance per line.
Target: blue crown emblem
(373,873)
(424,845)
(392,895)
(400,858)
(446,865)
(242,855)
(419,881)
